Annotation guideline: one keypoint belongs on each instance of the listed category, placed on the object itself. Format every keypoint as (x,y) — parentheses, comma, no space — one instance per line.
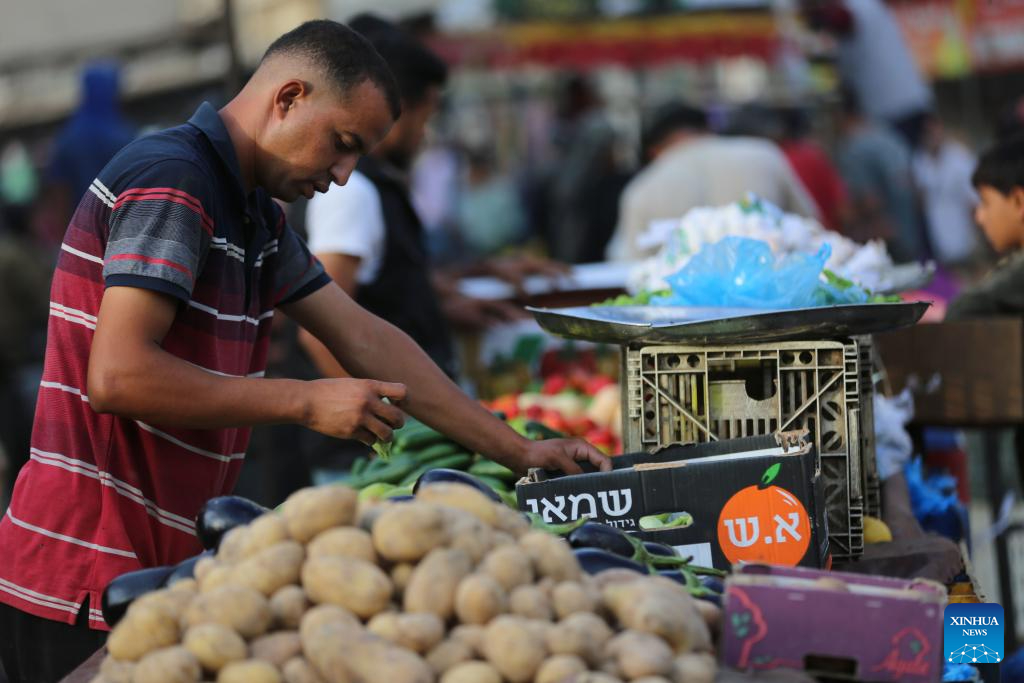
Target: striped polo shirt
(103,495)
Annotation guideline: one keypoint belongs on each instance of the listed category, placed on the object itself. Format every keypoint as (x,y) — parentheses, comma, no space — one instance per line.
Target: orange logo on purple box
(764,523)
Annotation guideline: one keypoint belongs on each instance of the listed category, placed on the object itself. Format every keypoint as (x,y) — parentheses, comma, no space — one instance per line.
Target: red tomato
(597,383)
(534,412)
(581,426)
(554,385)
(554,420)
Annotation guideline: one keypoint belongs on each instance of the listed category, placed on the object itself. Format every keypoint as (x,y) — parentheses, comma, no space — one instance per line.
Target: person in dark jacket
(94,133)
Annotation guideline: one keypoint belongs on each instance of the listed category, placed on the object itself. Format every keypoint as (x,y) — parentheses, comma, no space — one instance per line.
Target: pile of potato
(450,587)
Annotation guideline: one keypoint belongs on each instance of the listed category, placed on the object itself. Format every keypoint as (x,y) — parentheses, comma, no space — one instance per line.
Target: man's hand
(354,409)
(370,347)
(563,455)
(466,313)
(515,269)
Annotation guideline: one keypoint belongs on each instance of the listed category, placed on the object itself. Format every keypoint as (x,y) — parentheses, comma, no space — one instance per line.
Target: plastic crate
(869,464)
(684,394)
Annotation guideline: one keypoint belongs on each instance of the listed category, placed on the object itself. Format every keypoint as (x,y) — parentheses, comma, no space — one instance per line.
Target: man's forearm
(154,386)
(321,356)
(370,347)
(433,398)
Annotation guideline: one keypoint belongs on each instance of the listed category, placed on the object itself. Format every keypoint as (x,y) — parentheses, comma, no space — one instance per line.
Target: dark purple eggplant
(222,514)
(186,568)
(712,583)
(121,591)
(696,585)
(442,474)
(595,561)
(675,575)
(602,537)
(660,549)
(400,499)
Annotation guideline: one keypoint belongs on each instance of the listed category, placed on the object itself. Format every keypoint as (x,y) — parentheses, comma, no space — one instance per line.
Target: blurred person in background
(94,133)
(689,166)
(876,165)
(584,186)
(24,281)
(370,238)
(942,170)
(490,210)
(434,181)
(874,60)
(813,166)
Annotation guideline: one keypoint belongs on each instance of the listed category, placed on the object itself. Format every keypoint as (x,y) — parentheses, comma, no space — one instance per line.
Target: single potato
(358,586)
(310,511)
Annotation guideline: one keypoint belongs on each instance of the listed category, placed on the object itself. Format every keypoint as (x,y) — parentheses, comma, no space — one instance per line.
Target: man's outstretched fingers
(377,427)
(364,436)
(389,414)
(395,391)
(567,463)
(596,457)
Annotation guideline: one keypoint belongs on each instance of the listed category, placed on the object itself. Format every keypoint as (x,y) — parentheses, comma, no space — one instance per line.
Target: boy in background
(999,180)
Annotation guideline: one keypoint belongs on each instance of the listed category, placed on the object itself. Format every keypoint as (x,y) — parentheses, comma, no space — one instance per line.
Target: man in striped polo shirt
(160,314)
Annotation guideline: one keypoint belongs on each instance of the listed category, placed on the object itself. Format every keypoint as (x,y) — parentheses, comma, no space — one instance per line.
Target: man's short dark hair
(1001,166)
(346,57)
(669,119)
(415,66)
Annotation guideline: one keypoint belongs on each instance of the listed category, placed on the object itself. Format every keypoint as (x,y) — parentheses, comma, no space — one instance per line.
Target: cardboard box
(843,626)
(757,499)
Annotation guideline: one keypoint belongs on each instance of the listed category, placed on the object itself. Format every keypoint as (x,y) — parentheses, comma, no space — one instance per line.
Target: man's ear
(288,95)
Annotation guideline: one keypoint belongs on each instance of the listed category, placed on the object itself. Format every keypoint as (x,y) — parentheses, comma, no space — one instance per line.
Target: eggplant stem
(708,571)
(666,561)
(537,522)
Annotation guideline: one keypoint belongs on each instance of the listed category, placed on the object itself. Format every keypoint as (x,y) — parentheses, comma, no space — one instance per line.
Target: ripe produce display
(560,409)
(576,403)
(417,449)
(449,586)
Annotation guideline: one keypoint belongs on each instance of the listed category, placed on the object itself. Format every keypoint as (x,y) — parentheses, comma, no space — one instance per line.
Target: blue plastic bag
(739,272)
(934,502)
(957,673)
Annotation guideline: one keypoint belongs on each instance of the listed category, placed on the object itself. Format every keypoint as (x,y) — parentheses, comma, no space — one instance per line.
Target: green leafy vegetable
(383,448)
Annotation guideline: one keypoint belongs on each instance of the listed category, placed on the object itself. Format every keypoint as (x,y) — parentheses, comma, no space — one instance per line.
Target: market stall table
(582,285)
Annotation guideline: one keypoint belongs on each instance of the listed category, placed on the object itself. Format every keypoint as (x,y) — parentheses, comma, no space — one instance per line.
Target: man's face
(403,143)
(1001,217)
(316,136)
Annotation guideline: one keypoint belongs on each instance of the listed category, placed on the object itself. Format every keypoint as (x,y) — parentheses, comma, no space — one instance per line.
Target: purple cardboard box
(834,624)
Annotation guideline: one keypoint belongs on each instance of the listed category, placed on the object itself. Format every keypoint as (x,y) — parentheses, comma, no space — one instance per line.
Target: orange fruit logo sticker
(764,523)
